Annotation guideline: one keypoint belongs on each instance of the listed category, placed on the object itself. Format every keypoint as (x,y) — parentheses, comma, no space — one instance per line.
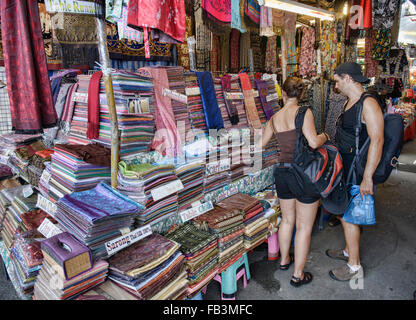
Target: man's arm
(373,117)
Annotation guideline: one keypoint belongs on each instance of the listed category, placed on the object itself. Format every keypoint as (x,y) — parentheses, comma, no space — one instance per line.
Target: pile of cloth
(43,184)
(151,269)
(216,174)
(5,172)
(256,226)
(134,102)
(201,255)
(4,201)
(37,165)
(96,216)
(195,108)
(271,207)
(137,182)
(228,227)
(27,259)
(16,204)
(180,109)
(76,167)
(191,175)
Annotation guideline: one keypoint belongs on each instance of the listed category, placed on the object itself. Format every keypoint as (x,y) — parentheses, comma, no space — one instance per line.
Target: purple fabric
(263,89)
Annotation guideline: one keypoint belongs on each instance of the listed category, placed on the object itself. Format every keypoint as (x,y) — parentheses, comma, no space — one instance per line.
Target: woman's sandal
(286,266)
(297,282)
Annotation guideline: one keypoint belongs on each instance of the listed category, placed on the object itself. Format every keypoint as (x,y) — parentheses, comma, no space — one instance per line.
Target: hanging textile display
(252,10)
(329,47)
(209,101)
(126,49)
(30,94)
(236,21)
(266,21)
(225,52)
(384,12)
(234,50)
(352,32)
(215,54)
(126,32)
(251,109)
(271,55)
(183,51)
(290,37)
(367,18)
(382,44)
(203,36)
(258,55)
(278,21)
(307,53)
(371,64)
(263,89)
(244,50)
(52,50)
(166,140)
(77,36)
(218,10)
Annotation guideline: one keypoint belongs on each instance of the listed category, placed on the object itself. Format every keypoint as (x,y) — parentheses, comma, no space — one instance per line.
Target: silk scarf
(263,89)
(249,102)
(229,104)
(94,105)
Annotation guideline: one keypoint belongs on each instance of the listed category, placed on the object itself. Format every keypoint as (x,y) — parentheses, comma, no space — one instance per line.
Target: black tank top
(348,123)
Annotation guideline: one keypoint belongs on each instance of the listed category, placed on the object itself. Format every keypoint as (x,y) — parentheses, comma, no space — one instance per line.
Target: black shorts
(287,187)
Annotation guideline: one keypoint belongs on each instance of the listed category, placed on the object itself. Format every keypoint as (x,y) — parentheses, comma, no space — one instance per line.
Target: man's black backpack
(393,142)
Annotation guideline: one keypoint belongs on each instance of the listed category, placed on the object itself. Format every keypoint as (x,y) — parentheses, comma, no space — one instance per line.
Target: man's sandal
(297,282)
(286,266)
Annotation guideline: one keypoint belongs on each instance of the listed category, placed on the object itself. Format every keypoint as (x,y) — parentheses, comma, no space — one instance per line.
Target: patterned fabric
(382,43)
(252,10)
(266,21)
(236,22)
(235,50)
(244,50)
(263,89)
(183,51)
(271,55)
(28,85)
(250,104)
(307,54)
(336,102)
(124,31)
(329,47)
(384,12)
(278,21)
(218,9)
(203,36)
(215,57)
(371,65)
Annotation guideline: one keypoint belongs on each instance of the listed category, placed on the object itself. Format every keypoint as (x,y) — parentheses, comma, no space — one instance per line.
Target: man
(349,79)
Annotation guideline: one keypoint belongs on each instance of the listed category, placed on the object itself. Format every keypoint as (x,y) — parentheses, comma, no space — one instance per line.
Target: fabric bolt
(250,105)
(307,55)
(231,107)
(91,153)
(209,101)
(94,105)
(31,104)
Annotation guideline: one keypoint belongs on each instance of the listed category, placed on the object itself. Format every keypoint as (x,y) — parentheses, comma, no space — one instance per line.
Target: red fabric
(167,16)
(235,50)
(219,9)
(94,105)
(28,85)
(410,132)
(368,16)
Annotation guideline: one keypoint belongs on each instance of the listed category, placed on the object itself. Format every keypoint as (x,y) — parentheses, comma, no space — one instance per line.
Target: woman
(297,206)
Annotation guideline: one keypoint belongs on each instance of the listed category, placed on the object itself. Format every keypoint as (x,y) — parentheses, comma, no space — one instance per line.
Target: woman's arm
(267,134)
(309,131)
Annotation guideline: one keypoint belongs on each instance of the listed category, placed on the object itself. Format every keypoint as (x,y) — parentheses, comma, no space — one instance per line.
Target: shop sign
(70,6)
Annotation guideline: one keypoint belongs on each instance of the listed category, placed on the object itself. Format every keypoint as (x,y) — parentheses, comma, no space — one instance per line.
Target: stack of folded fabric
(216,174)
(256,225)
(78,167)
(4,202)
(27,259)
(137,182)
(271,207)
(192,177)
(151,269)
(43,185)
(201,255)
(16,205)
(96,216)
(180,109)
(5,172)
(221,102)
(195,108)
(37,165)
(257,100)
(134,102)
(238,93)
(228,227)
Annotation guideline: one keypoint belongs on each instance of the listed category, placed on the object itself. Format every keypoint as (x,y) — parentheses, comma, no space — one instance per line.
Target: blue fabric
(212,112)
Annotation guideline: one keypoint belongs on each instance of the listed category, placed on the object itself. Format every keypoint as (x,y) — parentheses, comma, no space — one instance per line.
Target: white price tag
(234,95)
(48,229)
(255,93)
(192,91)
(272,97)
(217,166)
(124,241)
(46,176)
(46,205)
(27,191)
(166,190)
(193,212)
(175,95)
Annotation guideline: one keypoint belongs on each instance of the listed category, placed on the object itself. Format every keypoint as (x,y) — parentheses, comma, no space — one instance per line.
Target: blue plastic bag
(360,210)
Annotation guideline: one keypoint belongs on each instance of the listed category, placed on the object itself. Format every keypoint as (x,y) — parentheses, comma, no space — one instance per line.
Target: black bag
(393,142)
(319,171)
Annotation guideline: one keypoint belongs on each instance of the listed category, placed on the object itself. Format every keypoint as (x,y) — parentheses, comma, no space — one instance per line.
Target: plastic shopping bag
(360,210)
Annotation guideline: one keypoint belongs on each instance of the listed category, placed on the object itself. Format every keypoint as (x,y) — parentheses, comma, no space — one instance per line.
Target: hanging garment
(234,50)
(209,101)
(203,36)
(244,50)
(266,22)
(215,56)
(167,140)
(124,31)
(250,104)
(236,22)
(252,10)
(307,53)
(263,89)
(278,21)
(367,14)
(329,47)
(382,44)
(218,10)
(94,105)
(183,50)
(229,103)
(271,55)
(225,52)
(371,64)
(30,95)
(384,12)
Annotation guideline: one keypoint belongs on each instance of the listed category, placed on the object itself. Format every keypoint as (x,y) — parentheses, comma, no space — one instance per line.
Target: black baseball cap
(353,70)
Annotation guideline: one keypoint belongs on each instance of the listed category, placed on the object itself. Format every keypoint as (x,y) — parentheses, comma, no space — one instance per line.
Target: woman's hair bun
(294,87)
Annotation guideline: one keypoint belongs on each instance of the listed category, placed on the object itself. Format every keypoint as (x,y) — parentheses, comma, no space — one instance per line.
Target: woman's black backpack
(393,142)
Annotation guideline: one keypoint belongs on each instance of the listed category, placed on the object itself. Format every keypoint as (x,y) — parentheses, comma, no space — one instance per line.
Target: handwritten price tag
(48,229)
(196,211)
(46,205)
(124,241)
(166,190)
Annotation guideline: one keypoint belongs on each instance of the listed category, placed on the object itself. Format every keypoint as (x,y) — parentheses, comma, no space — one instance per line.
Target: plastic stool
(273,246)
(229,277)
(241,273)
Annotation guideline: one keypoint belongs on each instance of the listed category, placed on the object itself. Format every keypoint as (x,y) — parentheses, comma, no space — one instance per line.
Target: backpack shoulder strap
(300,117)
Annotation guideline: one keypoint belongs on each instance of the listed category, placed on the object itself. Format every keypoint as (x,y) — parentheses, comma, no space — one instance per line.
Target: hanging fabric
(230,104)
(218,10)
(236,21)
(384,12)
(266,21)
(234,50)
(263,89)
(271,55)
(183,50)
(94,105)
(371,64)
(381,44)
(252,10)
(30,95)
(215,56)
(250,104)
(209,101)
(307,53)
